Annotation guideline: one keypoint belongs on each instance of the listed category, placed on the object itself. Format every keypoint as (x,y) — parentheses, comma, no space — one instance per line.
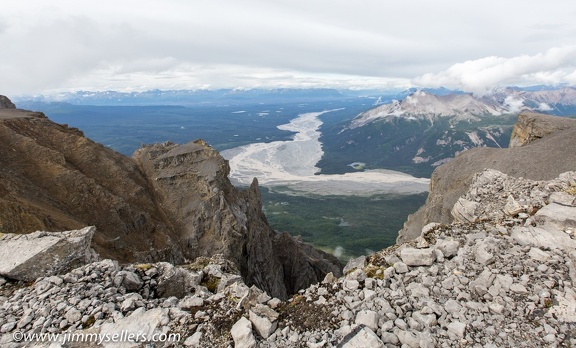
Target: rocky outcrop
(6,103)
(545,155)
(210,216)
(52,178)
(170,203)
(532,126)
(485,283)
(40,254)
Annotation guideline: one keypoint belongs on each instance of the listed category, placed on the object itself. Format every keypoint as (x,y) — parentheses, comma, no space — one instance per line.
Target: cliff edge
(542,147)
(170,203)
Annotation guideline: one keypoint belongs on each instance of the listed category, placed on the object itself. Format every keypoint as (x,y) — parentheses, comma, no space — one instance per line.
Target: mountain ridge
(542,148)
(424,130)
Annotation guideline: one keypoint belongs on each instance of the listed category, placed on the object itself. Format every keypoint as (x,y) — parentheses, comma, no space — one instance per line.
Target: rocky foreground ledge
(501,275)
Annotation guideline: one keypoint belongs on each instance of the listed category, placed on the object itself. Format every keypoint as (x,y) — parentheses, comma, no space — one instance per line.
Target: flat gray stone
(560,216)
(407,338)
(368,318)
(418,257)
(140,322)
(538,255)
(362,338)
(449,247)
(483,256)
(30,256)
(543,238)
(456,329)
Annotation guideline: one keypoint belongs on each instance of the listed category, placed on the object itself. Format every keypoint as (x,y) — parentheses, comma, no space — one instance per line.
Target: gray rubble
(502,277)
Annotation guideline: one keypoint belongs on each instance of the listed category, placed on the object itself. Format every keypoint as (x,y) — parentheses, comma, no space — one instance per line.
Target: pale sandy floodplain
(291,166)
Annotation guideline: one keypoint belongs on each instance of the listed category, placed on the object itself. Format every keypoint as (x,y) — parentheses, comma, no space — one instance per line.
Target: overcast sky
(48,46)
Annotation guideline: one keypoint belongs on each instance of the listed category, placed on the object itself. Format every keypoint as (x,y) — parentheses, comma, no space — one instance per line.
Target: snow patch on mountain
(424,105)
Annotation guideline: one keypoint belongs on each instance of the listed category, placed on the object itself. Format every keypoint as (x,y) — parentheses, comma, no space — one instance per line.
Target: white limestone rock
(39,254)
(449,247)
(465,210)
(242,334)
(557,215)
(418,257)
(539,237)
(264,319)
(363,338)
(456,329)
(368,318)
(140,322)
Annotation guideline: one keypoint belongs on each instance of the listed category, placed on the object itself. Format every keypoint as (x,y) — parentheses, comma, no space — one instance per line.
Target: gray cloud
(64,44)
(555,66)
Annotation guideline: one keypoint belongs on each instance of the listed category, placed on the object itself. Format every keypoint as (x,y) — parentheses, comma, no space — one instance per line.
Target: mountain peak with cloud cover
(422,104)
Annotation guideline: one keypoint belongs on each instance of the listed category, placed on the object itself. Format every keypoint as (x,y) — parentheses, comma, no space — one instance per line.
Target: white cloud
(65,44)
(514,105)
(556,65)
(544,107)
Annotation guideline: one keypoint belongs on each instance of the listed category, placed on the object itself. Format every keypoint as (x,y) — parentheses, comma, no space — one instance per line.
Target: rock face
(542,156)
(171,203)
(6,103)
(39,254)
(52,178)
(212,217)
(533,126)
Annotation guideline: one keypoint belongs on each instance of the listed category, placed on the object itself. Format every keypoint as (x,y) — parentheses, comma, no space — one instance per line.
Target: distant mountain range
(204,97)
(413,130)
(423,130)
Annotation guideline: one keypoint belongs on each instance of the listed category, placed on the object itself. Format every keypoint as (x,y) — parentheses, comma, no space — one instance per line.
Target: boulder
(30,256)
(543,238)
(129,280)
(449,247)
(362,337)
(359,262)
(465,210)
(175,281)
(456,330)
(418,257)
(242,334)
(557,215)
(368,318)
(141,323)
(264,319)
(512,207)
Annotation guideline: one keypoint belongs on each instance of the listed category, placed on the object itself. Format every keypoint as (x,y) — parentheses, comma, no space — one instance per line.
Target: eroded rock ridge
(170,203)
(542,148)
